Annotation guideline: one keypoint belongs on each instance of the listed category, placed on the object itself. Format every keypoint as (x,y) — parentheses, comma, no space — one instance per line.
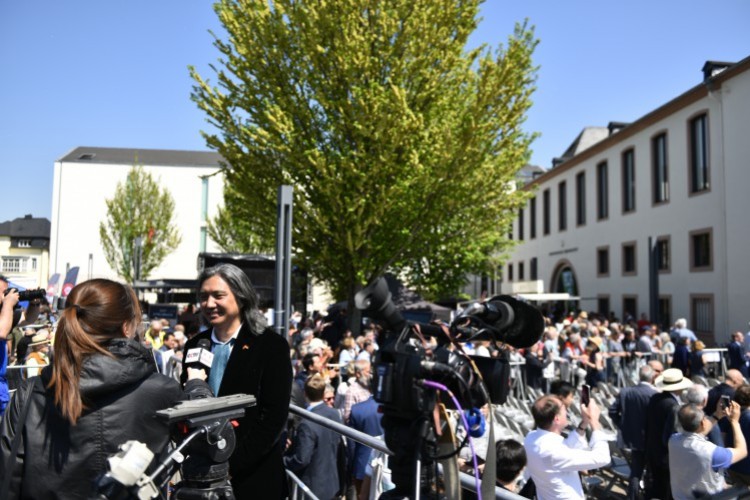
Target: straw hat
(40,338)
(672,380)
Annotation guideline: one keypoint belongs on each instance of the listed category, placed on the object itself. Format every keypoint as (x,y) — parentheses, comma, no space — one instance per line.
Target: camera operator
(9,301)
(101,390)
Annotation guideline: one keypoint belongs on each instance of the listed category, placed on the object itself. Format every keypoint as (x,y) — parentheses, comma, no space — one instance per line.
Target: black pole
(282,302)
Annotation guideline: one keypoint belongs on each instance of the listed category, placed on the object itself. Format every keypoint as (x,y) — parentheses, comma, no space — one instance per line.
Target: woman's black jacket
(62,461)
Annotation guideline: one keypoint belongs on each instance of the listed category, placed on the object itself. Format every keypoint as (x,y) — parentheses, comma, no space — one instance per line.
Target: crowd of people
(78,369)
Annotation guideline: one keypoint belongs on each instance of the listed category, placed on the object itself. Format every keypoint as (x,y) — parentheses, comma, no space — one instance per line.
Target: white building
(86,177)
(24,251)
(679,175)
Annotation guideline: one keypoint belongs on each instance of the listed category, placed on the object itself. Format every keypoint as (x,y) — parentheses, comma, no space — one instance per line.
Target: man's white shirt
(554,462)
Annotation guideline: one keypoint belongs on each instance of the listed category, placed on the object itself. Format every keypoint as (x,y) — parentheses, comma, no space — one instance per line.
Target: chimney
(615,127)
(713,68)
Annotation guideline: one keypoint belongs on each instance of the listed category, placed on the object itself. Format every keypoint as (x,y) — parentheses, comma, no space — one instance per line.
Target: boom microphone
(514,322)
(200,356)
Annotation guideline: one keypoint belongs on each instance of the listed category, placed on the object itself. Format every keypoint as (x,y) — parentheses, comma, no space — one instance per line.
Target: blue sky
(114,74)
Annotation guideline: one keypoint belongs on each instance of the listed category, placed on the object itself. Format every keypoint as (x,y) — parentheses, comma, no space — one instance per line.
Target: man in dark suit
(313,454)
(628,413)
(364,418)
(661,419)
(249,358)
(736,353)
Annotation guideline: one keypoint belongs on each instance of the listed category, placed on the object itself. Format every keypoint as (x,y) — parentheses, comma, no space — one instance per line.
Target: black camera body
(25,295)
(407,370)
(204,437)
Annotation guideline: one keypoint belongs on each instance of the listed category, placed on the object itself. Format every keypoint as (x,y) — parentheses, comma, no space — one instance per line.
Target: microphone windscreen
(527,326)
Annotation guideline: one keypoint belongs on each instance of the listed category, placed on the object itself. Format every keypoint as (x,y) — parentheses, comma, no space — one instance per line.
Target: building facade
(671,186)
(86,177)
(24,251)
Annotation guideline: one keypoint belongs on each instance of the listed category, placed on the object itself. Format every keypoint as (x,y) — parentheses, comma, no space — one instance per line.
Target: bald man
(732,381)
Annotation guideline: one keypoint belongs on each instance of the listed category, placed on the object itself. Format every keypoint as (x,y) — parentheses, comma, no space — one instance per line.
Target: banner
(52,287)
(70,281)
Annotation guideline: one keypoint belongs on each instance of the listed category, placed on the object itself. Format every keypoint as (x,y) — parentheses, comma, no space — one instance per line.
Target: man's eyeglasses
(328,399)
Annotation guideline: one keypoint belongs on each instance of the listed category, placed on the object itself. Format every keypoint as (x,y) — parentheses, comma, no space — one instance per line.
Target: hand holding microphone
(198,360)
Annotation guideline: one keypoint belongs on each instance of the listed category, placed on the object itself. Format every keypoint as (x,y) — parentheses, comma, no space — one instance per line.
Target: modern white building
(679,175)
(87,176)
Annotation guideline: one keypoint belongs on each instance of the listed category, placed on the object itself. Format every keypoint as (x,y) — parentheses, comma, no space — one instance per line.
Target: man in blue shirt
(695,463)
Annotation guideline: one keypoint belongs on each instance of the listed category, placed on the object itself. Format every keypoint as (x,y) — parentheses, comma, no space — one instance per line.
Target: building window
(521,273)
(581,199)
(533,271)
(629,262)
(699,169)
(510,272)
(204,199)
(602,262)
(659,167)
(701,254)
(546,210)
(33,264)
(602,191)
(665,311)
(15,264)
(24,243)
(663,256)
(562,205)
(628,181)
(602,305)
(532,218)
(702,314)
(520,225)
(629,307)
(203,238)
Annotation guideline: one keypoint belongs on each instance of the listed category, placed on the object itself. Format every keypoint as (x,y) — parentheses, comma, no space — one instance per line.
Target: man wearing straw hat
(38,357)
(661,415)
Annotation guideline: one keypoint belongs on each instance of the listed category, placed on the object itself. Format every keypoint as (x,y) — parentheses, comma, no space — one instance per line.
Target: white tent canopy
(547,297)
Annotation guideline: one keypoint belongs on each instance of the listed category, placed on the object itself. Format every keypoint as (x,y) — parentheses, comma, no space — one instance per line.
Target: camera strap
(10,465)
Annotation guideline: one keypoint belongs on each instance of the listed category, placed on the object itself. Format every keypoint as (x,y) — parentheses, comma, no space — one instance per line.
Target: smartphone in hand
(585,394)
(724,402)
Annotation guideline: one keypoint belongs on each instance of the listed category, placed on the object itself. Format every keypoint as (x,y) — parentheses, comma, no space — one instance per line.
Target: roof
(587,138)
(690,96)
(26,227)
(128,156)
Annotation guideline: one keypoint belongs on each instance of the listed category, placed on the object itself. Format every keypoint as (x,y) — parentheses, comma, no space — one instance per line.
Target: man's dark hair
(544,411)
(167,335)
(510,459)
(5,279)
(742,395)
(562,389)
(244,293)
(308,361)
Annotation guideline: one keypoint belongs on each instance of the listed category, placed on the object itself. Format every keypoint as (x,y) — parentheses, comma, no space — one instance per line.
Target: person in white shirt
(554,461)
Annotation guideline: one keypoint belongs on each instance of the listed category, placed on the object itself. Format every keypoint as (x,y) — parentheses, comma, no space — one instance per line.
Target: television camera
(24,296)
(411,376)
(203,432)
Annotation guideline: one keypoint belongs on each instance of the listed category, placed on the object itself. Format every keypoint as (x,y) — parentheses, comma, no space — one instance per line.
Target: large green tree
(138,209)
(400,142)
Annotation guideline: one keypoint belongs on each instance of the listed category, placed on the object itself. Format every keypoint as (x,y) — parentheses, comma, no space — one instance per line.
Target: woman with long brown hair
(101,390)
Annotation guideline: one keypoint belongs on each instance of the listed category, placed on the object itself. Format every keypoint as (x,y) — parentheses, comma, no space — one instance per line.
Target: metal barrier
(467,482)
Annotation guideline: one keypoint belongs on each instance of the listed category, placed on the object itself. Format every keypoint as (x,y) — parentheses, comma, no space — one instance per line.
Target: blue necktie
(221,357)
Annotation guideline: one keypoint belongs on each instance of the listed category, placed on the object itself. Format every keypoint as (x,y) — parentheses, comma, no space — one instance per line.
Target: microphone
(515,322)
(200,356)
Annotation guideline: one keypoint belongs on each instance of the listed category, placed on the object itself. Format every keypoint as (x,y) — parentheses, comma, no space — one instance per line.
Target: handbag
(4,488)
